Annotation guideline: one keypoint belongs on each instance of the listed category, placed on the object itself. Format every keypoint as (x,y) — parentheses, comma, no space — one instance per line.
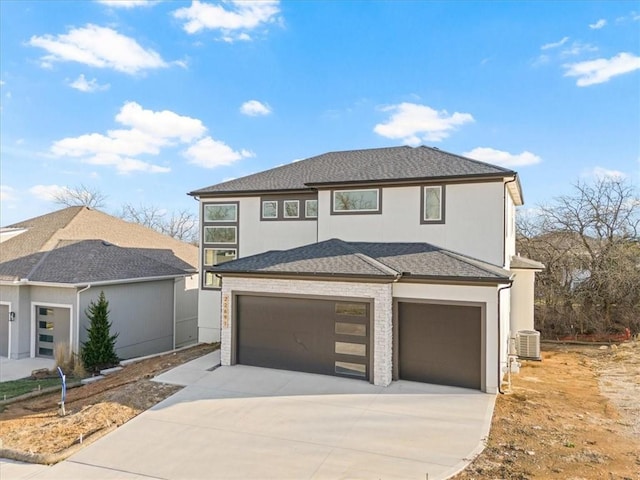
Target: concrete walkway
(15,369)
(248,422)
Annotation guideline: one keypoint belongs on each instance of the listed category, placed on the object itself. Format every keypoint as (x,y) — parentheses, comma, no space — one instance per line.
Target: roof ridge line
(38,263)
(500,167)
(375,263)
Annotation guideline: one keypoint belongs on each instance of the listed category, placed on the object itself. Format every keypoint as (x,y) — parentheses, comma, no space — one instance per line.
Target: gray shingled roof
(88,261)
(363,259)
(72,224)
(360,166)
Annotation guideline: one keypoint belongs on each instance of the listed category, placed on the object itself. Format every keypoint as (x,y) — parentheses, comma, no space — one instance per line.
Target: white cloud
(210,153)
(1,83)
(254,108)
(164,124)
(125,165)
(99,47)
(633,16)
(46,192)
(150,131)
(559,43)
(413,123)
(127,3)
(578,48)
(87,86)
(234,22)
(601,172)
(7,193)
(500,157)
(598,25)
(601,70)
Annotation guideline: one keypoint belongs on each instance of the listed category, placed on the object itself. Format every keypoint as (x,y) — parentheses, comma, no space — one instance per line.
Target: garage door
(306,335)
(440,344)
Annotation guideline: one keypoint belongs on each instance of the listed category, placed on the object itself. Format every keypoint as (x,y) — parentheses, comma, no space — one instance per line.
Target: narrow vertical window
(433,204)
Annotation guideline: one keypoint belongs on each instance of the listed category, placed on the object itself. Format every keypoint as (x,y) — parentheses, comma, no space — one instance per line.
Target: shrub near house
(99,350)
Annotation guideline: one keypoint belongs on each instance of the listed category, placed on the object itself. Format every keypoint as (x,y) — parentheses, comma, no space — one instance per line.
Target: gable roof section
(378,165)
(72,224)
(337,258)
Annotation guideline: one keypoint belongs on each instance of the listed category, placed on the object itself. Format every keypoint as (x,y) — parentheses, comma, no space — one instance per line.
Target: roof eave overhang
(484,281)
(529,269)
(313,186)
(371,279)
(311,276)
(35,283)
(249,193)
(416,180)
(515,189)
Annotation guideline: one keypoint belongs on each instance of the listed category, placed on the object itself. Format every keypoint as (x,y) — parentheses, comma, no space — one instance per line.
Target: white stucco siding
(475,294)
(257,236)
(473,220)
(382,312)
(522,301)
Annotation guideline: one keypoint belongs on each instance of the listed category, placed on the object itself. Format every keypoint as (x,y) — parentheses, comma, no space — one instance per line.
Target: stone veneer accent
(382,310)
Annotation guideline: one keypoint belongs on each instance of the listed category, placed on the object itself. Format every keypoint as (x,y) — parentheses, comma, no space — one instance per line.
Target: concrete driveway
(247,422)
(15,369)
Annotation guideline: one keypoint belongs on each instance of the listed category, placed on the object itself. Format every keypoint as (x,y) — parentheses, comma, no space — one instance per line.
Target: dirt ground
(34,426)
(575,415)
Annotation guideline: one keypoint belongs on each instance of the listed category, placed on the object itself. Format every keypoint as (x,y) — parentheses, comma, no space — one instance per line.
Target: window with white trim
(216,256)
(220,225)
(432,208)
(270,209)
(291,208)
(355,201)
(221,212)
(221,235)
(311,208)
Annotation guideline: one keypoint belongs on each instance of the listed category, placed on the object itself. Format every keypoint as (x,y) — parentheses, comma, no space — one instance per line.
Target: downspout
(504,219)
(77,339)
(499,332)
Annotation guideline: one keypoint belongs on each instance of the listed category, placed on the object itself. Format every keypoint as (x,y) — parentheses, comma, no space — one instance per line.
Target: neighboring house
(380,264)
(53,266)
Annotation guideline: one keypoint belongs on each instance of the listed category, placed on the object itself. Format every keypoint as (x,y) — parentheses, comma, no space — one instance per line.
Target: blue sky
(146,101)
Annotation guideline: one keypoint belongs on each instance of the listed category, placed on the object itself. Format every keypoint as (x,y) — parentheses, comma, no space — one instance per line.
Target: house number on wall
(225,311)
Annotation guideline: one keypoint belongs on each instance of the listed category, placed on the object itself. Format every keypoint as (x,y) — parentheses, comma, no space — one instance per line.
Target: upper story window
(221,235)
(220,231)
(270,209)
(222,212)
(356,201)
(291,208)
(432,204)
(311,208)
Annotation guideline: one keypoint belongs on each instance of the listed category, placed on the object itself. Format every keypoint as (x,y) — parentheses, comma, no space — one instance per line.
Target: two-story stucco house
(380,264)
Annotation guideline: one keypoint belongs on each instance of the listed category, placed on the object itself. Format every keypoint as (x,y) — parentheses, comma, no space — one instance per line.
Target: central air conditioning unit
(528,344)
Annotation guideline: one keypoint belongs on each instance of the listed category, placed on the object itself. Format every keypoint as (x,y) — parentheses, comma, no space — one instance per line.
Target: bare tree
(80,195)
(181,224)
(589,242)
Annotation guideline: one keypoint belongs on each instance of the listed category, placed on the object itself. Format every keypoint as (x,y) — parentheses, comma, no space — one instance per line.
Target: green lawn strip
(16,388)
